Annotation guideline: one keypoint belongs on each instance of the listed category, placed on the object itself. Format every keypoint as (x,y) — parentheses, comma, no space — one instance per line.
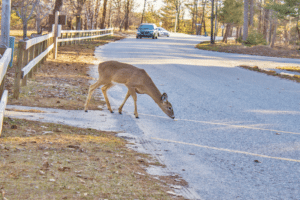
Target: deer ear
(164,97)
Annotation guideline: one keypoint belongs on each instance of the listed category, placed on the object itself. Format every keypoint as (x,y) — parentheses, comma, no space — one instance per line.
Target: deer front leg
(104,89)
(134,96)
(91,90)
(125,99)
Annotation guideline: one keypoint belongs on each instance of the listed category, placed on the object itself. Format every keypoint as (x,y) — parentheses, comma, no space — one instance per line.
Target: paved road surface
(236,133)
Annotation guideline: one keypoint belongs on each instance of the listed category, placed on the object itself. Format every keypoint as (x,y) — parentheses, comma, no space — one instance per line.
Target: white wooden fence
(73,36)
(4,62)
(32,53)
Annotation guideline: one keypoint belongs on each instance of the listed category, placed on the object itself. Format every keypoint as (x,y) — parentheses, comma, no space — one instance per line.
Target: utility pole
(212,23)
(5,23)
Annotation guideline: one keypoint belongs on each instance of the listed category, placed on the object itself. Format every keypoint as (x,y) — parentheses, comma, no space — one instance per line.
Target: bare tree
(41,11)
(251,12)
(58,6)
(127,10)
(97,10)
(245,30)
(24,9)
(102,26)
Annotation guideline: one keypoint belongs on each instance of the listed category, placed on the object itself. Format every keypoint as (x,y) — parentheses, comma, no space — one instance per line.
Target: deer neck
(154,93)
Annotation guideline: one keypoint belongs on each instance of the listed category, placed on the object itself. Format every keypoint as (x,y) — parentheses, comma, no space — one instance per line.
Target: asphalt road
(236,132)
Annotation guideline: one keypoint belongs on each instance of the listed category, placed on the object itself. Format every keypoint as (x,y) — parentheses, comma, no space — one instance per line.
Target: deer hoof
(86,111)
(111,111)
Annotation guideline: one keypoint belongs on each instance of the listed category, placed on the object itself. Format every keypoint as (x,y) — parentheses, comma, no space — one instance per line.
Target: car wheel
(156,37)
(153,37)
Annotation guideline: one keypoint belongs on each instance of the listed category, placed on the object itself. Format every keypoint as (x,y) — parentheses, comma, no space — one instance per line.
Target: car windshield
(145,27)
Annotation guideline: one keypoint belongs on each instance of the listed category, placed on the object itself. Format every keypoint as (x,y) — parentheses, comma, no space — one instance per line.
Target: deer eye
(170,108)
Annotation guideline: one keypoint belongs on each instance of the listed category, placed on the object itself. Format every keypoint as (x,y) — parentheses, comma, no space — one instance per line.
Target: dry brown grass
(289,68)
(232,47)
(51,161)
(272,73)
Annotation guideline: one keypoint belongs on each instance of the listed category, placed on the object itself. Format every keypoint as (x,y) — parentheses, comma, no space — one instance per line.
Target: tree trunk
(260,17)
(78,22)
(143,11)
(212,23)
(245,30)
(38,26)
(69,23)
(103,15)
(97,13)
(271,26)
(126,26)
(25,30)
(228,27)
(58,5)
(266,20)
(274,33)
(203,20)
(251,12)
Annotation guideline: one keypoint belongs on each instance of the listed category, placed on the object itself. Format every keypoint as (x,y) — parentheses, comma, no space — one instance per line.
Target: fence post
(55,35)
(18,69)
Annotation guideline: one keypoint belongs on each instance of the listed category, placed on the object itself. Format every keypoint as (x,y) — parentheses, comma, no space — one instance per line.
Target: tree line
(250,21)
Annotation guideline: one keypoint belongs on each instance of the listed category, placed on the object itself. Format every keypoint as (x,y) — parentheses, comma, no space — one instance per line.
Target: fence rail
(4,62)
(70,36)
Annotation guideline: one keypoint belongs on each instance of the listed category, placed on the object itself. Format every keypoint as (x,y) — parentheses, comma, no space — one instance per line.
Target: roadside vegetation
(274,73)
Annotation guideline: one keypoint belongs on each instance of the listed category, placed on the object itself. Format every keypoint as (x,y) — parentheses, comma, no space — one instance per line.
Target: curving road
(236,134)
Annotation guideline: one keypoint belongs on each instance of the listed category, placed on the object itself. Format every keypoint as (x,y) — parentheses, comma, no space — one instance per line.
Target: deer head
(166,106)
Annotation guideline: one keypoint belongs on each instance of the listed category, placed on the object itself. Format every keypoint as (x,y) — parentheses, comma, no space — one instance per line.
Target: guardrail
(74,36)
(4,63)
(32,53)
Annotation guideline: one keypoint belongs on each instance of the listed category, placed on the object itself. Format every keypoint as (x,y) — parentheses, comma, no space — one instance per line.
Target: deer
(135,79)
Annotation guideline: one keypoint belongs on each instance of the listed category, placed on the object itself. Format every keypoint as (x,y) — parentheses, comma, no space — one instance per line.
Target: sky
(157,4)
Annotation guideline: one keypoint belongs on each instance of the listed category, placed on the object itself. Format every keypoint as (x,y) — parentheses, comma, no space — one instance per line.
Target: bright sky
(157,4)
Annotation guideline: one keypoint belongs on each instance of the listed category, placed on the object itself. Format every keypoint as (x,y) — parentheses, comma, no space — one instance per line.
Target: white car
(163,32)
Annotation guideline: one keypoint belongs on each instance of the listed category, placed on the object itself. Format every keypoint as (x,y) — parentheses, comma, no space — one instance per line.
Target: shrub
(255,38)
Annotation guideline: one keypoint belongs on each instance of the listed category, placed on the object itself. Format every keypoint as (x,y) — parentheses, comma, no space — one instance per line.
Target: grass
(52,161)
(217,46)
(290,68)
(272,73)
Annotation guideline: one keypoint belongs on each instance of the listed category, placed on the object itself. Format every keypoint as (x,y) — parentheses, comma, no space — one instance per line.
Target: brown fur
(135,79)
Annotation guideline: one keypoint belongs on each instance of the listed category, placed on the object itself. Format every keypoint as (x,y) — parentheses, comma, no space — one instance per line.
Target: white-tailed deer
(135,79)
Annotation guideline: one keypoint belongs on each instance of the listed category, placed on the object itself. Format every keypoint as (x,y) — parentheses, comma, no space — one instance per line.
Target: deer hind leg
(125,99)
(91,90)
(132,92)
(104,89)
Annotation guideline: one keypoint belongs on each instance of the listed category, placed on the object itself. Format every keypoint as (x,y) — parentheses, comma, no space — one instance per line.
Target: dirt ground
(232,47)
(52,161)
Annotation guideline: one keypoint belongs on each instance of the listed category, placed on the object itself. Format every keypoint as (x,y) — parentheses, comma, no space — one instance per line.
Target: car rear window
(146,27)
